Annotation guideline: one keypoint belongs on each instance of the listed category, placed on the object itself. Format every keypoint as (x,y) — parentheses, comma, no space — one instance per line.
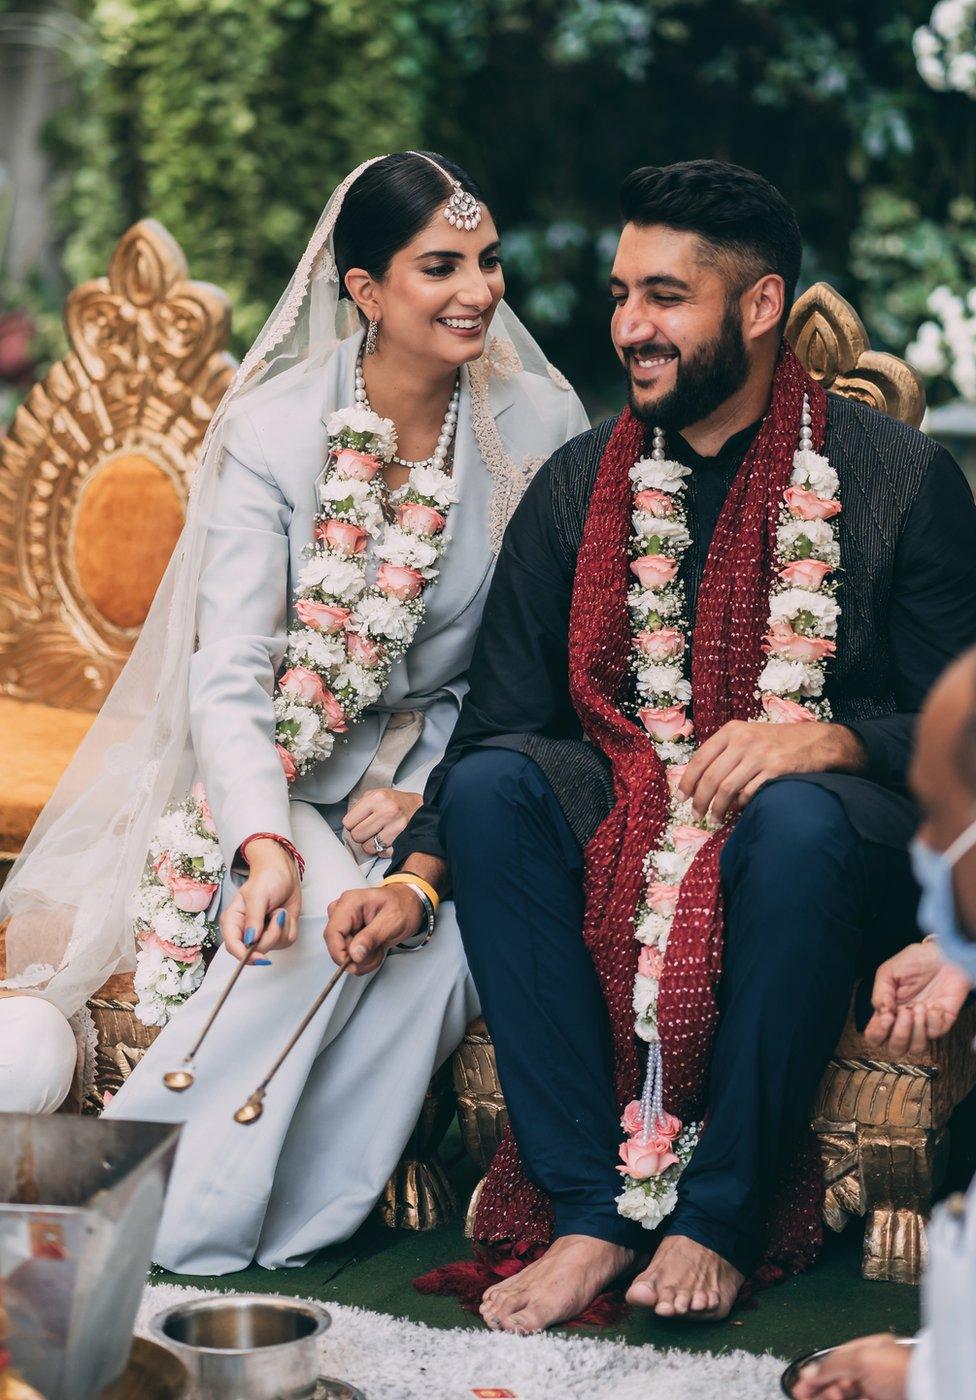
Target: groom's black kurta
(907,597)
(815,878)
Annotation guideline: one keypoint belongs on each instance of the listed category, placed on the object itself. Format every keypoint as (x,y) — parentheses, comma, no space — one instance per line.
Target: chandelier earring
(372,336)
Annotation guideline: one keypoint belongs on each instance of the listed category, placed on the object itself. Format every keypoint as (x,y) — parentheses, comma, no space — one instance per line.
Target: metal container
(791,1375)
(246,1346)
(153,1373)
(80,1204)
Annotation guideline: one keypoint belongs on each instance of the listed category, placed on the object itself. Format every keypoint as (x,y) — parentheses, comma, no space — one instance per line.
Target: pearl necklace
(446,436)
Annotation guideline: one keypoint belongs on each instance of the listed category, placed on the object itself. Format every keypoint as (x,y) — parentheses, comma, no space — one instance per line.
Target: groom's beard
(709,376)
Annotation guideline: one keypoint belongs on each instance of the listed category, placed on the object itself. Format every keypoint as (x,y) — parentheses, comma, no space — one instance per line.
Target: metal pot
(791,1375)
(246,1346)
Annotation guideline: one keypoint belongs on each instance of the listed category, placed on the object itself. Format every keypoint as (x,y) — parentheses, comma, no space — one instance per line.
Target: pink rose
(150,939)
(192,896)
(399,581)
(806,506)
(362,466)
(805,573)
(342,536)
(363,650)
(656,503)
(287,763)
(421,520)
(632,1121)
(781,640)
(662,644)
(662,897)
(667,1127)
(654,570)
(671,723)
(323,617)
(333,713)
(650,963)
(674,773)
(783,711)
(690,838)
(206,815)
(642,1160)
(303,685)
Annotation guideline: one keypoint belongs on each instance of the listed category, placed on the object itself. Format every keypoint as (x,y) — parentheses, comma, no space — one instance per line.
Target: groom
(807,882)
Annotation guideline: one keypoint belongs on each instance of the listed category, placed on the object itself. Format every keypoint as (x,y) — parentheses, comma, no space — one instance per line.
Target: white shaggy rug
(390,1359)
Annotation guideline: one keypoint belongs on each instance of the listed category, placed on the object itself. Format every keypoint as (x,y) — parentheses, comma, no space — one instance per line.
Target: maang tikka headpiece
(462,209)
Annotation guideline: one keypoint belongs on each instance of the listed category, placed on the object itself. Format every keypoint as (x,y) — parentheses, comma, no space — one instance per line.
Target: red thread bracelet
(281,841)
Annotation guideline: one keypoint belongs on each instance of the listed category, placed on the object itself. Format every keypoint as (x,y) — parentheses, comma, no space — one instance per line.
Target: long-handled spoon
(251,1110)
(182,1077)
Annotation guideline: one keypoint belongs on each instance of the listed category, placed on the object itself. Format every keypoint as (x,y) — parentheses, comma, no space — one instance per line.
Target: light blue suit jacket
(263,518)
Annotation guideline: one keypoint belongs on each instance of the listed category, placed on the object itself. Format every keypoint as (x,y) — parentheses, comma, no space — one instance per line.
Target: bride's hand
(378,817)
(365,924)
(268,903)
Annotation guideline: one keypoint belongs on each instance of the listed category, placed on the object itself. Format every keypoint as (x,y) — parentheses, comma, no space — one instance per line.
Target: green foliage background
(231,122)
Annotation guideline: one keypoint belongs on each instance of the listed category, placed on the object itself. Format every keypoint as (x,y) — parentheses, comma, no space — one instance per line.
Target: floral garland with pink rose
(169,910)
(802,625)
(348,632)
(341,648)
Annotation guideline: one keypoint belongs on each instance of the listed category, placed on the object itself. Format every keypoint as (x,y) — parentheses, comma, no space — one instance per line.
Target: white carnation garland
(340,653)
(803,614)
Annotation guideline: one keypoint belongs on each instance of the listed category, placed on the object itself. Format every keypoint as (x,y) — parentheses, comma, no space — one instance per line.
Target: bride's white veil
(65,900)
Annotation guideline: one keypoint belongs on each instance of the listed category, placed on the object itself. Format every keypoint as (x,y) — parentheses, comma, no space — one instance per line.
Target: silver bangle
(423,935)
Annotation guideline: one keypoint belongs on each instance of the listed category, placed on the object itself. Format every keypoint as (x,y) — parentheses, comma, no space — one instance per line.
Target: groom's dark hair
(742,221)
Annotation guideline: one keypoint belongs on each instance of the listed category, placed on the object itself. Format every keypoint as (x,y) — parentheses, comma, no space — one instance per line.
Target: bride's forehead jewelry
(462,209)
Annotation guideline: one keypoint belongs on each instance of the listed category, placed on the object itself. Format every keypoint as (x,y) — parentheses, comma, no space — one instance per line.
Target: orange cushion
(36,744)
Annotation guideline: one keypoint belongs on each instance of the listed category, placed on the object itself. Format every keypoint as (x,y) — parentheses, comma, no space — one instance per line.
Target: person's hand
(871,1368)
(916,998)
(734,762)
(378,817)
(264,913)
(365,924)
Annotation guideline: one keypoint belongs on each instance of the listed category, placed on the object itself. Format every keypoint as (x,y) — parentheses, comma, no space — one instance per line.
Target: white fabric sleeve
(242,617)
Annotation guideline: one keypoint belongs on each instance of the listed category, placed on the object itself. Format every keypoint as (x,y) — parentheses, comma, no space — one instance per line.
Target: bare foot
(572,1272)
(684,1279)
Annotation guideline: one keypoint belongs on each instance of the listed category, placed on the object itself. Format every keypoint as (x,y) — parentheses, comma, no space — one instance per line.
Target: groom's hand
(731,765)
(364,924)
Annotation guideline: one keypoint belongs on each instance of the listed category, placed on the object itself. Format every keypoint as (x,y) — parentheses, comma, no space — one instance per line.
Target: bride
(339,545)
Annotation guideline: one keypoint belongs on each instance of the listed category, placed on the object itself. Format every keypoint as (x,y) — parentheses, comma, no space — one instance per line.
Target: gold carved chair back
(832,345)
(94,472)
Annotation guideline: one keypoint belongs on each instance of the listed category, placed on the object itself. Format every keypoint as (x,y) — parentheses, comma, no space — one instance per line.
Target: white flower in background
(944,48)
(947,343)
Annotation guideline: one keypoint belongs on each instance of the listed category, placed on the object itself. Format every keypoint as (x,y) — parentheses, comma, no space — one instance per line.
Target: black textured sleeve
(932,615)
(518,676)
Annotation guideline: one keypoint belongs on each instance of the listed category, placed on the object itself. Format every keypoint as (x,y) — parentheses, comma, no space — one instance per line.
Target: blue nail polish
(260,962)
(249,936)
(281,918)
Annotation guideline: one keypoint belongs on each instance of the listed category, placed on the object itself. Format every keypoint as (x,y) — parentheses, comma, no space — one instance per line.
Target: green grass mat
(375,1268)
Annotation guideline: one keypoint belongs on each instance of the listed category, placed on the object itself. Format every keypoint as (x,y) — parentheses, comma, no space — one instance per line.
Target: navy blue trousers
(808,904)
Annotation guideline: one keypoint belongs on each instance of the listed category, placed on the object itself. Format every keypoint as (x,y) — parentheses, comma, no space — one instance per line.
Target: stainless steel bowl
(246,1346)
(791,1375)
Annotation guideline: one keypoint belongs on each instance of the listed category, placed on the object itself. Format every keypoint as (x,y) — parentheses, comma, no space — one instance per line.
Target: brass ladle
(251,1110)
(182,1077)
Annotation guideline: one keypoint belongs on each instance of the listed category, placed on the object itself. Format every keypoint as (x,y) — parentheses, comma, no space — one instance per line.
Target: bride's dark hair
(388,206)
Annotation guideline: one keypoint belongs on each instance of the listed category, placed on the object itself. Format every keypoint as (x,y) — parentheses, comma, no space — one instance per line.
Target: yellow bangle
(407,877)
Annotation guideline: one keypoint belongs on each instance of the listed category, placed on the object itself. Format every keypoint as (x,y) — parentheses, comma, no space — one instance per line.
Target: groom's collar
(732,451)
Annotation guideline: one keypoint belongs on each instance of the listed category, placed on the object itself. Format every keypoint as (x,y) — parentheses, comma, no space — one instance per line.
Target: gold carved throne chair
(881,1124)
(94,476)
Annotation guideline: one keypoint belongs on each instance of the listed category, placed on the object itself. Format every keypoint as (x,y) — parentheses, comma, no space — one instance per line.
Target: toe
(682,1301)
(665,1302)
(643,1291)
(523,1323)
(699,1301)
